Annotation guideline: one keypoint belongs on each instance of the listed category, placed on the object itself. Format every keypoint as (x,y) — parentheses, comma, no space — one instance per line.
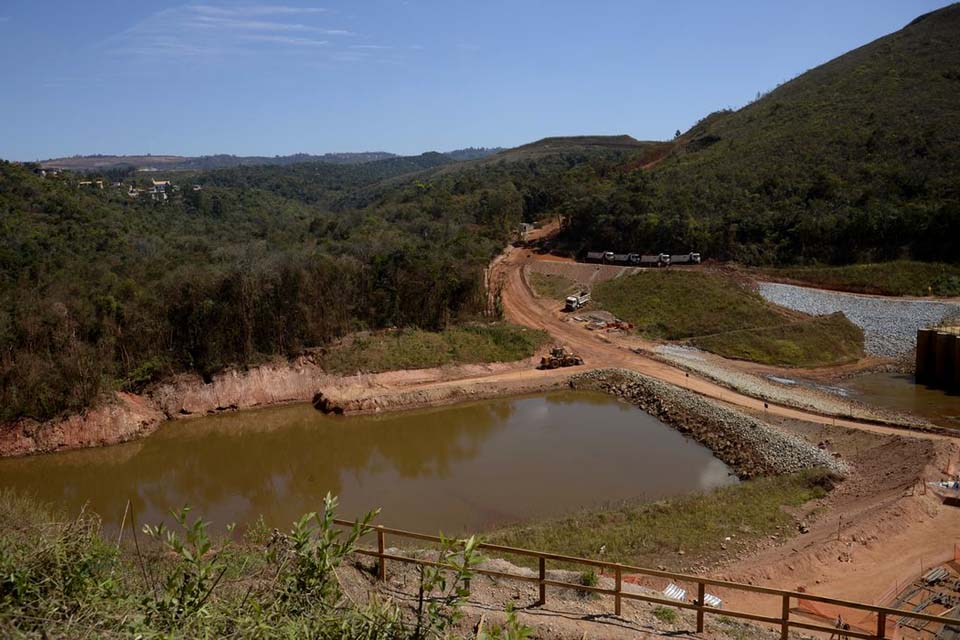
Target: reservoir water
(455,469)
(899,391)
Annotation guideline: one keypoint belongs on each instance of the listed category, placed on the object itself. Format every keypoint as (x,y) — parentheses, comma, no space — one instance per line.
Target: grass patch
(717,314)
(665,614)
(815,342)
(674,304)
(416,349)
(552,286)
(652,534)
(897,278)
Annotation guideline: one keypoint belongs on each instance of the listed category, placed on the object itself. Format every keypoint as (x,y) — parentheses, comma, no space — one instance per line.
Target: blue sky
(206,76)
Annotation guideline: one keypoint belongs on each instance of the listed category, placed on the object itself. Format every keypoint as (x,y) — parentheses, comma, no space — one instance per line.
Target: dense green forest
(100,291)
(856,160)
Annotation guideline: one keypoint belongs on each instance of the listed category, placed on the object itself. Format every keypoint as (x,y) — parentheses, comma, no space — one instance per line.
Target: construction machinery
(576,301)
(560,356)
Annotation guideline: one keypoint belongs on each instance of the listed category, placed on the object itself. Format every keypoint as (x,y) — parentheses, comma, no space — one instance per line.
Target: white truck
(574,302)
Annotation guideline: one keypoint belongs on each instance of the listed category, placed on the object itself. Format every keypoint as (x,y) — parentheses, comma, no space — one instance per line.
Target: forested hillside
(856,160)
(100,291)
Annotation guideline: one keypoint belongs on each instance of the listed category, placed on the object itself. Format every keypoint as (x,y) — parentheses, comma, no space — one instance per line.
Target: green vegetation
(896,278)
(814,342)
(716,313)
(100,291)
(61,578)
(417,349)
(653,534)
(674,304)
(551,286)
(854,161)
(665,614)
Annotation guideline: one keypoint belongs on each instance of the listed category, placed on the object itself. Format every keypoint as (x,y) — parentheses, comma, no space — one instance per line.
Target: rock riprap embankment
(889,324)
(750,446)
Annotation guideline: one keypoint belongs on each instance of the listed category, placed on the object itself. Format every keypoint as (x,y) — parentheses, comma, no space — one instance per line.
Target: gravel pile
(751,447)
(889,325)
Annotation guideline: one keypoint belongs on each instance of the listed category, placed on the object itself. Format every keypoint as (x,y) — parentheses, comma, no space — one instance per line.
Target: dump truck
(595,256)
(685,258)
(560,356)
(576,301)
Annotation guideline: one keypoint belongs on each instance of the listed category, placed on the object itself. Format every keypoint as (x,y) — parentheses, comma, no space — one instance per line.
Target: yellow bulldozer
(560,356)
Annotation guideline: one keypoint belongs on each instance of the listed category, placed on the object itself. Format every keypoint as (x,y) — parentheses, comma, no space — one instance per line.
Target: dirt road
(521,306)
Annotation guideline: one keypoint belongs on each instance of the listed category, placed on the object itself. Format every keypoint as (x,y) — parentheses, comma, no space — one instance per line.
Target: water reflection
(456,469)
(900,392)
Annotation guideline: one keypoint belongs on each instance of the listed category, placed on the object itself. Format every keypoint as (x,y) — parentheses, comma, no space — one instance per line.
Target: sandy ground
(878,529)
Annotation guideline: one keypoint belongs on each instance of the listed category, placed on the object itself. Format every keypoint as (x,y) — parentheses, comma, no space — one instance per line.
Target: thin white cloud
(232,24)
(211,30)
(255,10)
(4,18)
(370,46)
(287,40)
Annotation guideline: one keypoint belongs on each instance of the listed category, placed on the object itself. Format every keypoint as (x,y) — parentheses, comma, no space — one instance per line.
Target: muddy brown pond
(900,392)
(455,469)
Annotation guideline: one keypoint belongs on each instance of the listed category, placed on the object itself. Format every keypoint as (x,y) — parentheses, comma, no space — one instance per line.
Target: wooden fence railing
(784,621)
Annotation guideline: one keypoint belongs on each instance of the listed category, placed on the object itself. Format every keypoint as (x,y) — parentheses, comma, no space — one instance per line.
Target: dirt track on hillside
(521,306)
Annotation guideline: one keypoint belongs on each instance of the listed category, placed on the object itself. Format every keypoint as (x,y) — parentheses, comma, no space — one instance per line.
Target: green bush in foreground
(665,614)
(60,578)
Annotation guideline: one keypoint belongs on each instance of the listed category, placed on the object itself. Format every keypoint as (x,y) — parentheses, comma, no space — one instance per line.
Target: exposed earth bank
(127,416)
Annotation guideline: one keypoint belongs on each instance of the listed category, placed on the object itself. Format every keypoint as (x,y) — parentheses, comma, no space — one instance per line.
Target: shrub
(665,614)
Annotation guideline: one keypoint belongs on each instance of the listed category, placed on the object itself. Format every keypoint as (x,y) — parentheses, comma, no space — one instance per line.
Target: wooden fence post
(881,625)
(785,617)
(382,568)
(616,598)
(543,588)
(701,594)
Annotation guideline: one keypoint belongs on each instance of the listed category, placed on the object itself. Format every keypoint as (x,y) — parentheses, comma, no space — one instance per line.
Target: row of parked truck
(638,260)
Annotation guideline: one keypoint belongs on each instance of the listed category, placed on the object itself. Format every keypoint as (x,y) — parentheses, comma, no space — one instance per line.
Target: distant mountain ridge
(102,162)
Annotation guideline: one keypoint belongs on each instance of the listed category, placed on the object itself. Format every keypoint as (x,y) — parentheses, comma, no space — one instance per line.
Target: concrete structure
(938,358)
